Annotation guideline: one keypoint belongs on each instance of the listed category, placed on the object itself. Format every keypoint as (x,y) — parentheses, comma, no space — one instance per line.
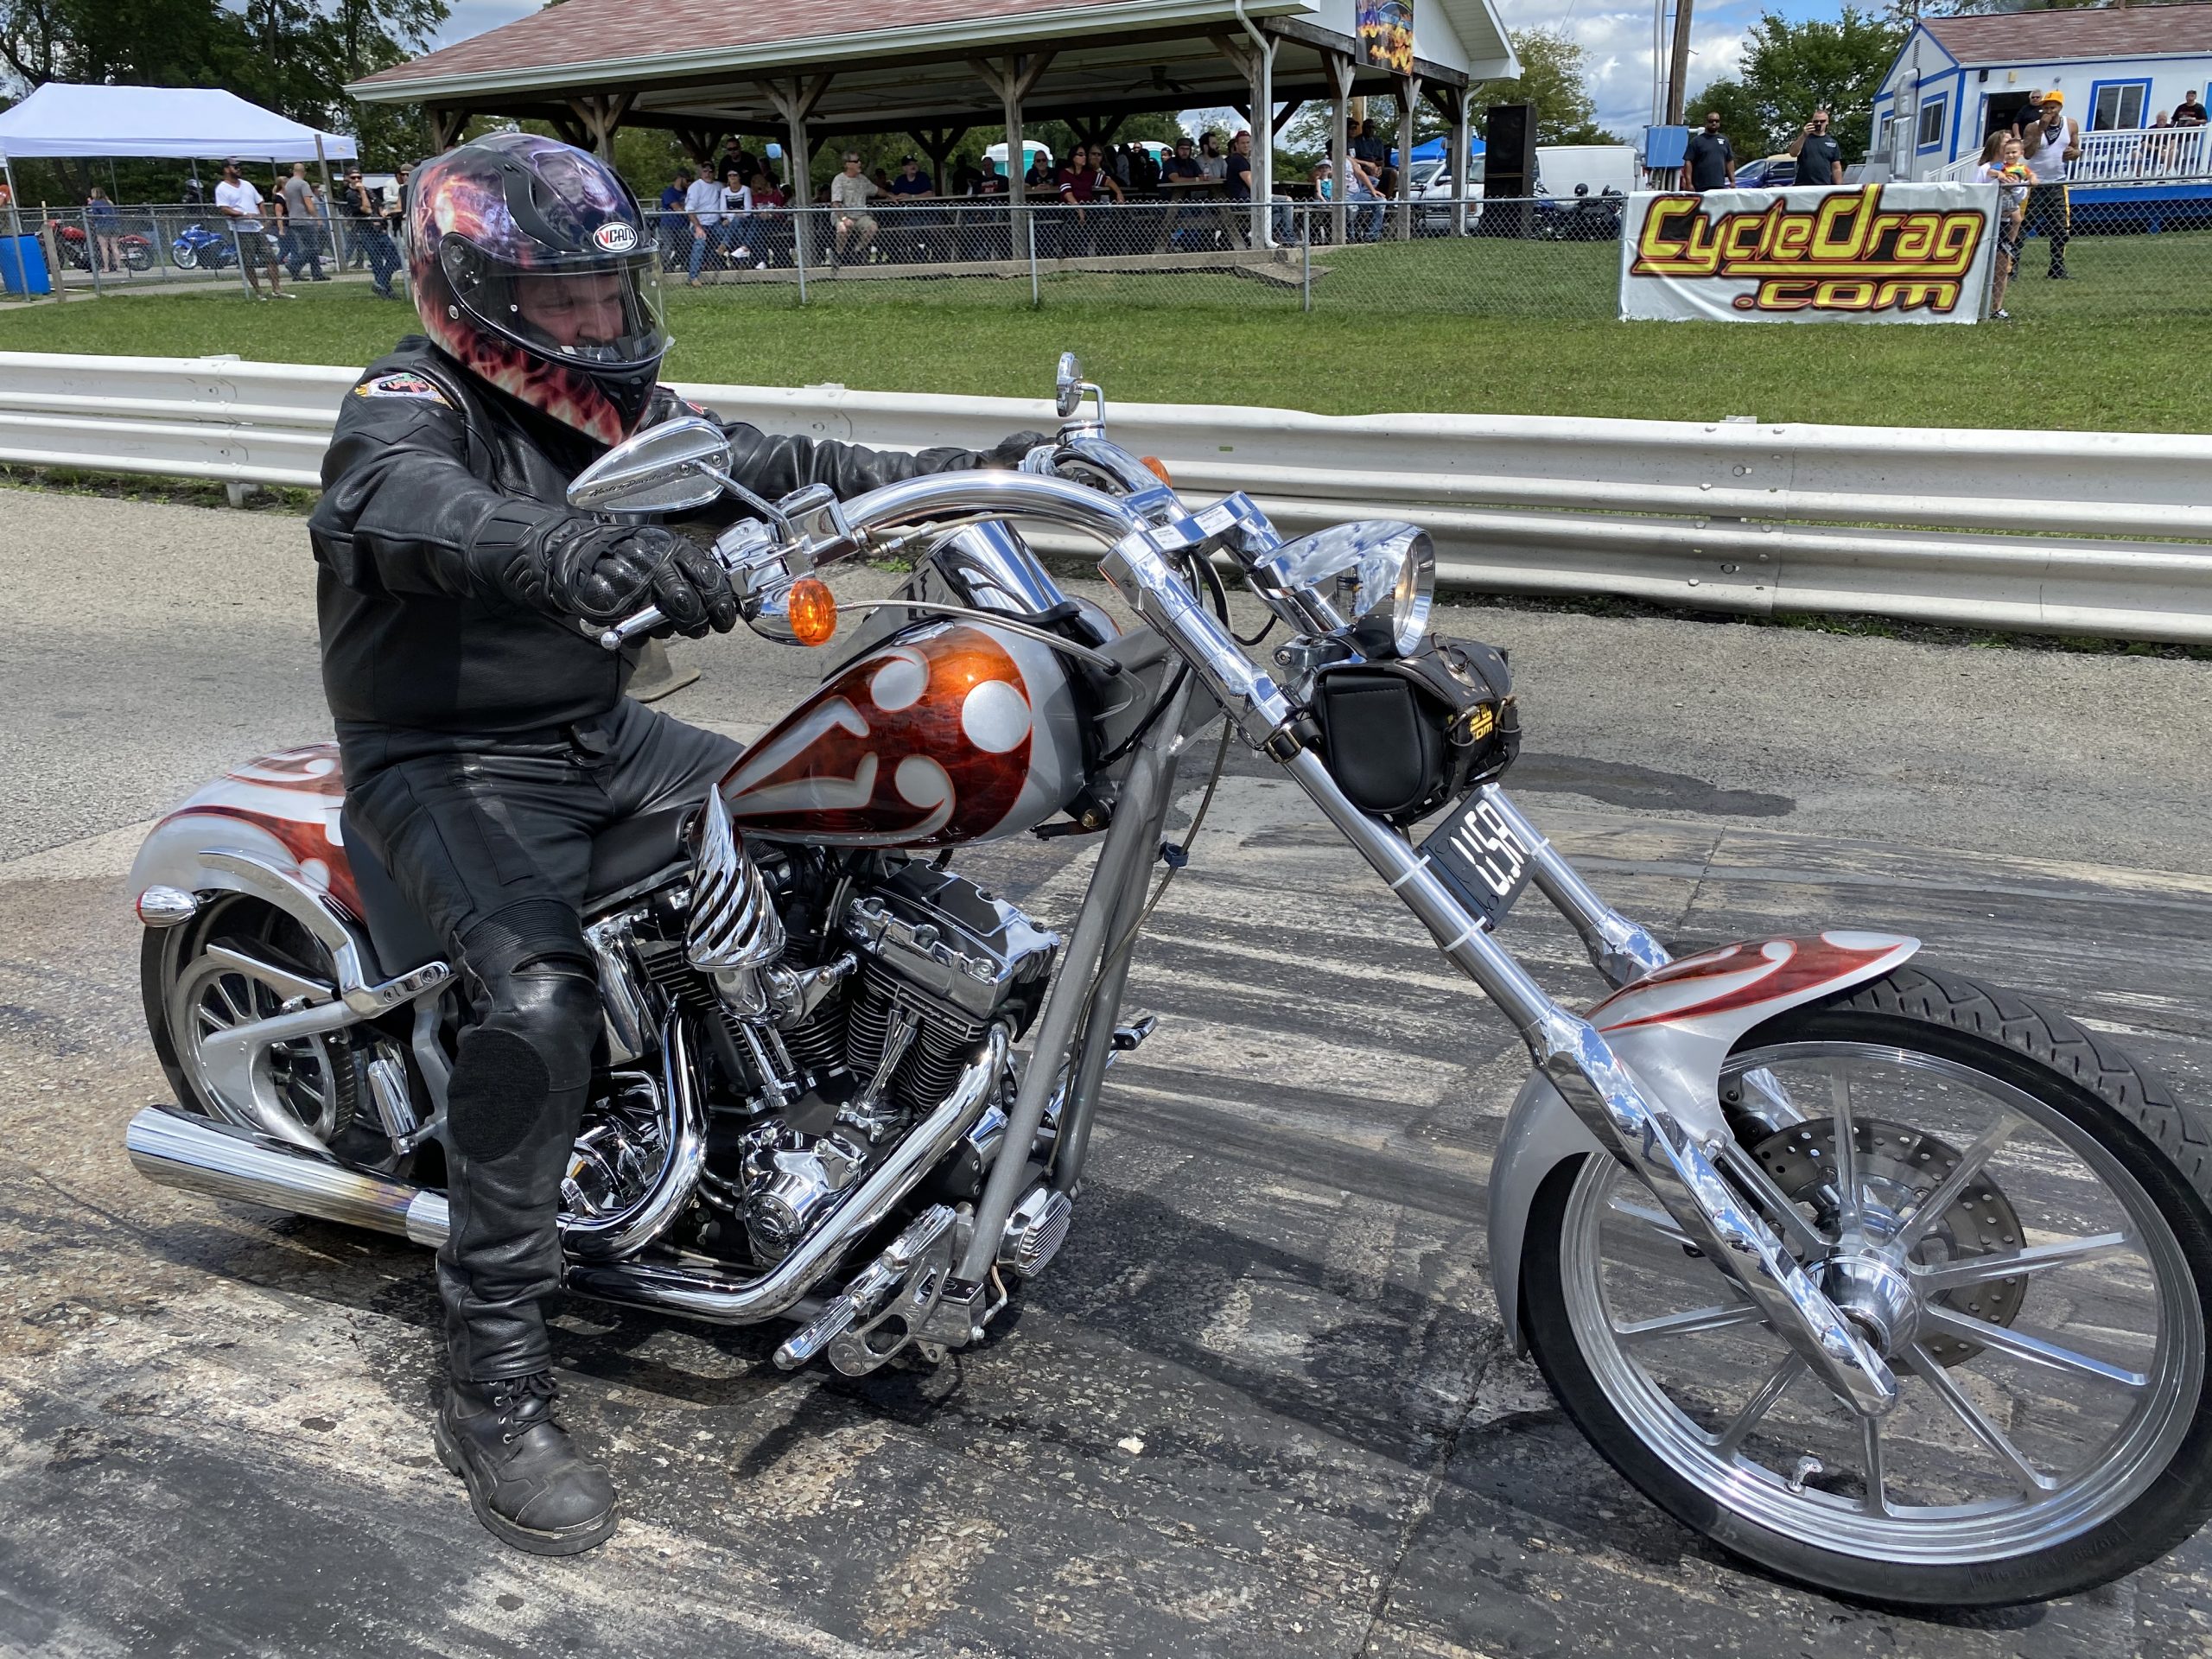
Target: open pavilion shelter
(707,69)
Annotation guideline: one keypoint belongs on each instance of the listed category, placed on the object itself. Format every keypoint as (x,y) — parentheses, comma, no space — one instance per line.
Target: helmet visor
(599,311)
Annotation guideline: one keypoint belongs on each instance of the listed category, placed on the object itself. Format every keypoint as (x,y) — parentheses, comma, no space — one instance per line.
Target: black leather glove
(565,565)
(610,571)
(1009,450)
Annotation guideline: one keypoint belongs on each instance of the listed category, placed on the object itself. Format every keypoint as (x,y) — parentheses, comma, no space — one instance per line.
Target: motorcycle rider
(485,734)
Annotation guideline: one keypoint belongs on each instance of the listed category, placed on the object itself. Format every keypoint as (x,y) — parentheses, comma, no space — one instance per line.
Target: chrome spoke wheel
(306,1079)
(2036,1304)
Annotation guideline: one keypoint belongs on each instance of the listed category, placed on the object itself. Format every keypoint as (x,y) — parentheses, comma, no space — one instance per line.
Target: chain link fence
(2130,251)
(124,247)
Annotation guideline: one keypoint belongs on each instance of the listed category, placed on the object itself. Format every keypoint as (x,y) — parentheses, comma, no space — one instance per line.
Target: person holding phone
(1819,158)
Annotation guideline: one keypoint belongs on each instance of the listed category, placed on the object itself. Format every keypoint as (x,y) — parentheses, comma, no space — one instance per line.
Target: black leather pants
(491,839)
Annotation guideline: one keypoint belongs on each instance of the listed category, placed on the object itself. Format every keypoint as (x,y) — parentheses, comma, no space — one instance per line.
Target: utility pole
(1678,66)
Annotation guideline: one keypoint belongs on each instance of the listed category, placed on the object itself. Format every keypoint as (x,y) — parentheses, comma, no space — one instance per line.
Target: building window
(2117,104)
(1932,114)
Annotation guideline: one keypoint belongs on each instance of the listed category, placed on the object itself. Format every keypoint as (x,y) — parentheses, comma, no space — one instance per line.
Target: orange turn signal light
(811,609)
(1158,469)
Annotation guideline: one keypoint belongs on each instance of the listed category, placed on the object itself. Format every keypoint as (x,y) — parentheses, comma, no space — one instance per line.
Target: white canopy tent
(176,122)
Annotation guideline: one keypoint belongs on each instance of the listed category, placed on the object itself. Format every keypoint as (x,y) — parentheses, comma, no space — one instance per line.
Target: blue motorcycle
(199,249)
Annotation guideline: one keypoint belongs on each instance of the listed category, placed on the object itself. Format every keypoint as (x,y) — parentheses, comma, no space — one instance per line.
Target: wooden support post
(937,143)
(1012,81)
(445,125)
(1462,140)
(1258,63)
(600,114)
(796,100)
(1337,67)
(1409,101)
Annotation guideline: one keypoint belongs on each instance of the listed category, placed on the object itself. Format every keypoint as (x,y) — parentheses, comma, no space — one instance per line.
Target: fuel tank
(943,733)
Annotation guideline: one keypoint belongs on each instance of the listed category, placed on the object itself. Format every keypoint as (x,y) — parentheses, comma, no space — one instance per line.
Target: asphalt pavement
(1262,1403)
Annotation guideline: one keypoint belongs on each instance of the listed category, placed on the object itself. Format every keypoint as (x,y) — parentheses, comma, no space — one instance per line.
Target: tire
(168,960)
(184,259)
(2096,1104)
(137,253)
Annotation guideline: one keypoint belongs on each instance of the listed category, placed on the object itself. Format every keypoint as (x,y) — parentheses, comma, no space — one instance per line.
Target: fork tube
(1619,948)
(1127,852)
(1098,1046)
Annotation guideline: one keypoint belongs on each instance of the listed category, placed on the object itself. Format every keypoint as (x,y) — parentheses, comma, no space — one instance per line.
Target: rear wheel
(2011,1212)
(198,981)
(137,253)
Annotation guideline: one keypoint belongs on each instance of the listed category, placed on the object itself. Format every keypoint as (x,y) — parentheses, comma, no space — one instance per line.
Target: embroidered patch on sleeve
(401,385)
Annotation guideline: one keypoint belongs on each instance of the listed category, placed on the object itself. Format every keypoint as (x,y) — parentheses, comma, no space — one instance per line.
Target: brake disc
(1898,1167)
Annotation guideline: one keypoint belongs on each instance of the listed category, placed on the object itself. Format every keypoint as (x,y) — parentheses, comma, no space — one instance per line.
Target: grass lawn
(1476,325)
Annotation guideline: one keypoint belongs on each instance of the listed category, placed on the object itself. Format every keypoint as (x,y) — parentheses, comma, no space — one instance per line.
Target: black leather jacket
(425,461)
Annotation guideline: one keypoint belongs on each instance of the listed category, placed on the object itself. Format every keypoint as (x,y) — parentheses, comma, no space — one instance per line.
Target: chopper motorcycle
(1889,1282)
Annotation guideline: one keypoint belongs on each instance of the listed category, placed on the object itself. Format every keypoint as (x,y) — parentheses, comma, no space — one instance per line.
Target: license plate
(1477,855)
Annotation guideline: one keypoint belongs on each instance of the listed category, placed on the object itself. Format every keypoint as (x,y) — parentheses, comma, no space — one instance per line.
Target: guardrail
(2086,533)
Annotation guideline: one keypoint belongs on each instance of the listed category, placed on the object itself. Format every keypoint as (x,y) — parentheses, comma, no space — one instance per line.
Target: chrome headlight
(1371,582)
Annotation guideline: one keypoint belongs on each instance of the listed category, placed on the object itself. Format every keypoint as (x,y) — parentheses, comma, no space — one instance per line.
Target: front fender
(1673,1028)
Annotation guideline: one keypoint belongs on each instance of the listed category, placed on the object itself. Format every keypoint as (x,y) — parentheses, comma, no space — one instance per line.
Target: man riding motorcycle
(485,735)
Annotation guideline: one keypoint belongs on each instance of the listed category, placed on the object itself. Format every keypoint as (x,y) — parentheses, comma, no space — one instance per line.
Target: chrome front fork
(1682,1168)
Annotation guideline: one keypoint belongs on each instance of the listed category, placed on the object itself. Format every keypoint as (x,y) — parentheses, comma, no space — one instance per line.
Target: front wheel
(2013,1213)
(184,256)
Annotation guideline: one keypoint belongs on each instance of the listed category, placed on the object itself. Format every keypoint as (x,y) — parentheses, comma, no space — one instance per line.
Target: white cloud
(1618,43)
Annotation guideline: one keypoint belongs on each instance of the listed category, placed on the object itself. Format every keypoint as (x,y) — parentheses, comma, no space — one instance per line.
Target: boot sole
(567,1541)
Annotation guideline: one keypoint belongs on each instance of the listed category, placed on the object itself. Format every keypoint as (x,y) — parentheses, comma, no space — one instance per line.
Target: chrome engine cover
(945,937)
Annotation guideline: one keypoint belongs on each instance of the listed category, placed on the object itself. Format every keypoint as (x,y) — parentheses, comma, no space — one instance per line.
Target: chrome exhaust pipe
(724,1299)
(172,1148)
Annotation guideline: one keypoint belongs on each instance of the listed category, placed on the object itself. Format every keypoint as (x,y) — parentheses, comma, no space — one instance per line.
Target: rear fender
(1673,1028)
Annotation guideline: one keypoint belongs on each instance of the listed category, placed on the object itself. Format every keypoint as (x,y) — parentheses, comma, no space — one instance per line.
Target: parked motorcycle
(1584,217)
(197,248)
(136,252)
(1888,1281)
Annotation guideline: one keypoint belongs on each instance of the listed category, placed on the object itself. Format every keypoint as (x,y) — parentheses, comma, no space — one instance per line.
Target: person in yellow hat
(2051,144)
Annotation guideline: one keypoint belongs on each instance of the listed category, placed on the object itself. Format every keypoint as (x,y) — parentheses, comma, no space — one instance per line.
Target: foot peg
(1128,1037)
(894,1295)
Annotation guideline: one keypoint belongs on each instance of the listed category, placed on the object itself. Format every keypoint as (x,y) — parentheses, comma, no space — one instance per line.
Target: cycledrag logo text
(1873,253)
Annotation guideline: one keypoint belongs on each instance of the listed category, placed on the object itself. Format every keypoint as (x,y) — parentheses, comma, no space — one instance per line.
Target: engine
(839,995)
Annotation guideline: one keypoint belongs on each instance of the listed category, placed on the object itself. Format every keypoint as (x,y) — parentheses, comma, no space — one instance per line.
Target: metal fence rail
(1931,524)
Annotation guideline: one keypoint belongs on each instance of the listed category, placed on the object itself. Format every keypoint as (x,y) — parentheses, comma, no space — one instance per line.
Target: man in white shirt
(240,203)
(703,205)
(850,193)
(2052,143)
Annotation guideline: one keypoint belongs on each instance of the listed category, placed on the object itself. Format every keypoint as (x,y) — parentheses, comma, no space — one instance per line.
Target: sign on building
(1386,34)
(1870,253)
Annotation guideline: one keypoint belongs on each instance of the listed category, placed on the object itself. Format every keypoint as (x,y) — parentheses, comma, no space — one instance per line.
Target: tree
(1555,73)
(1740,120)
(1791,69)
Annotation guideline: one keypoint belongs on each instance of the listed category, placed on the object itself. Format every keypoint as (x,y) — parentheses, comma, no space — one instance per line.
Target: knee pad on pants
(540,1020)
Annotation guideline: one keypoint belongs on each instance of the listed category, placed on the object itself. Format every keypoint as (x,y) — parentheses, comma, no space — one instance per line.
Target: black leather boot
(526,1480)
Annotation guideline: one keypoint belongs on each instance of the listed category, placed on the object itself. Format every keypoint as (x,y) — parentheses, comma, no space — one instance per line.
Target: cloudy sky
(1619,40)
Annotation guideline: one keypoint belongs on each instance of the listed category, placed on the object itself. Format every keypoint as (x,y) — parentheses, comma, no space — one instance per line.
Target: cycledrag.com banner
(1863,253)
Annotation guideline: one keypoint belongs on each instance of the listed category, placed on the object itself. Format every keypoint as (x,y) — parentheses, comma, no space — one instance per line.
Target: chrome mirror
(663,468)
(1067,386)
(1371,582)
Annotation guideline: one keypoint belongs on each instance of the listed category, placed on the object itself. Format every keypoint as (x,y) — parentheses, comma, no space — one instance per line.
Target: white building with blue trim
(2123,71)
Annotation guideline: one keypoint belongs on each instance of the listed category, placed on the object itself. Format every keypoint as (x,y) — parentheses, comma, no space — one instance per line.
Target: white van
(1560,168)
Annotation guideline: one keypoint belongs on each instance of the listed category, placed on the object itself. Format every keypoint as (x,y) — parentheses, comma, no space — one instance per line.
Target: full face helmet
(532,269)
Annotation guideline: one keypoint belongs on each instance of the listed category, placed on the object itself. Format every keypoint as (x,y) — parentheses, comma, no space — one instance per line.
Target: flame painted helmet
(533,268)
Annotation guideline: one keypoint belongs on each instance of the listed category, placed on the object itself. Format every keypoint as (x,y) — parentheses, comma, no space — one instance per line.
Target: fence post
(244,281)
(1036,294)
(92,253)
(1306,261)
(799,248)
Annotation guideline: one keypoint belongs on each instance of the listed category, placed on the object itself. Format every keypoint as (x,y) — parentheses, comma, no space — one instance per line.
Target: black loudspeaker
(1508,169)
(1510,151)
